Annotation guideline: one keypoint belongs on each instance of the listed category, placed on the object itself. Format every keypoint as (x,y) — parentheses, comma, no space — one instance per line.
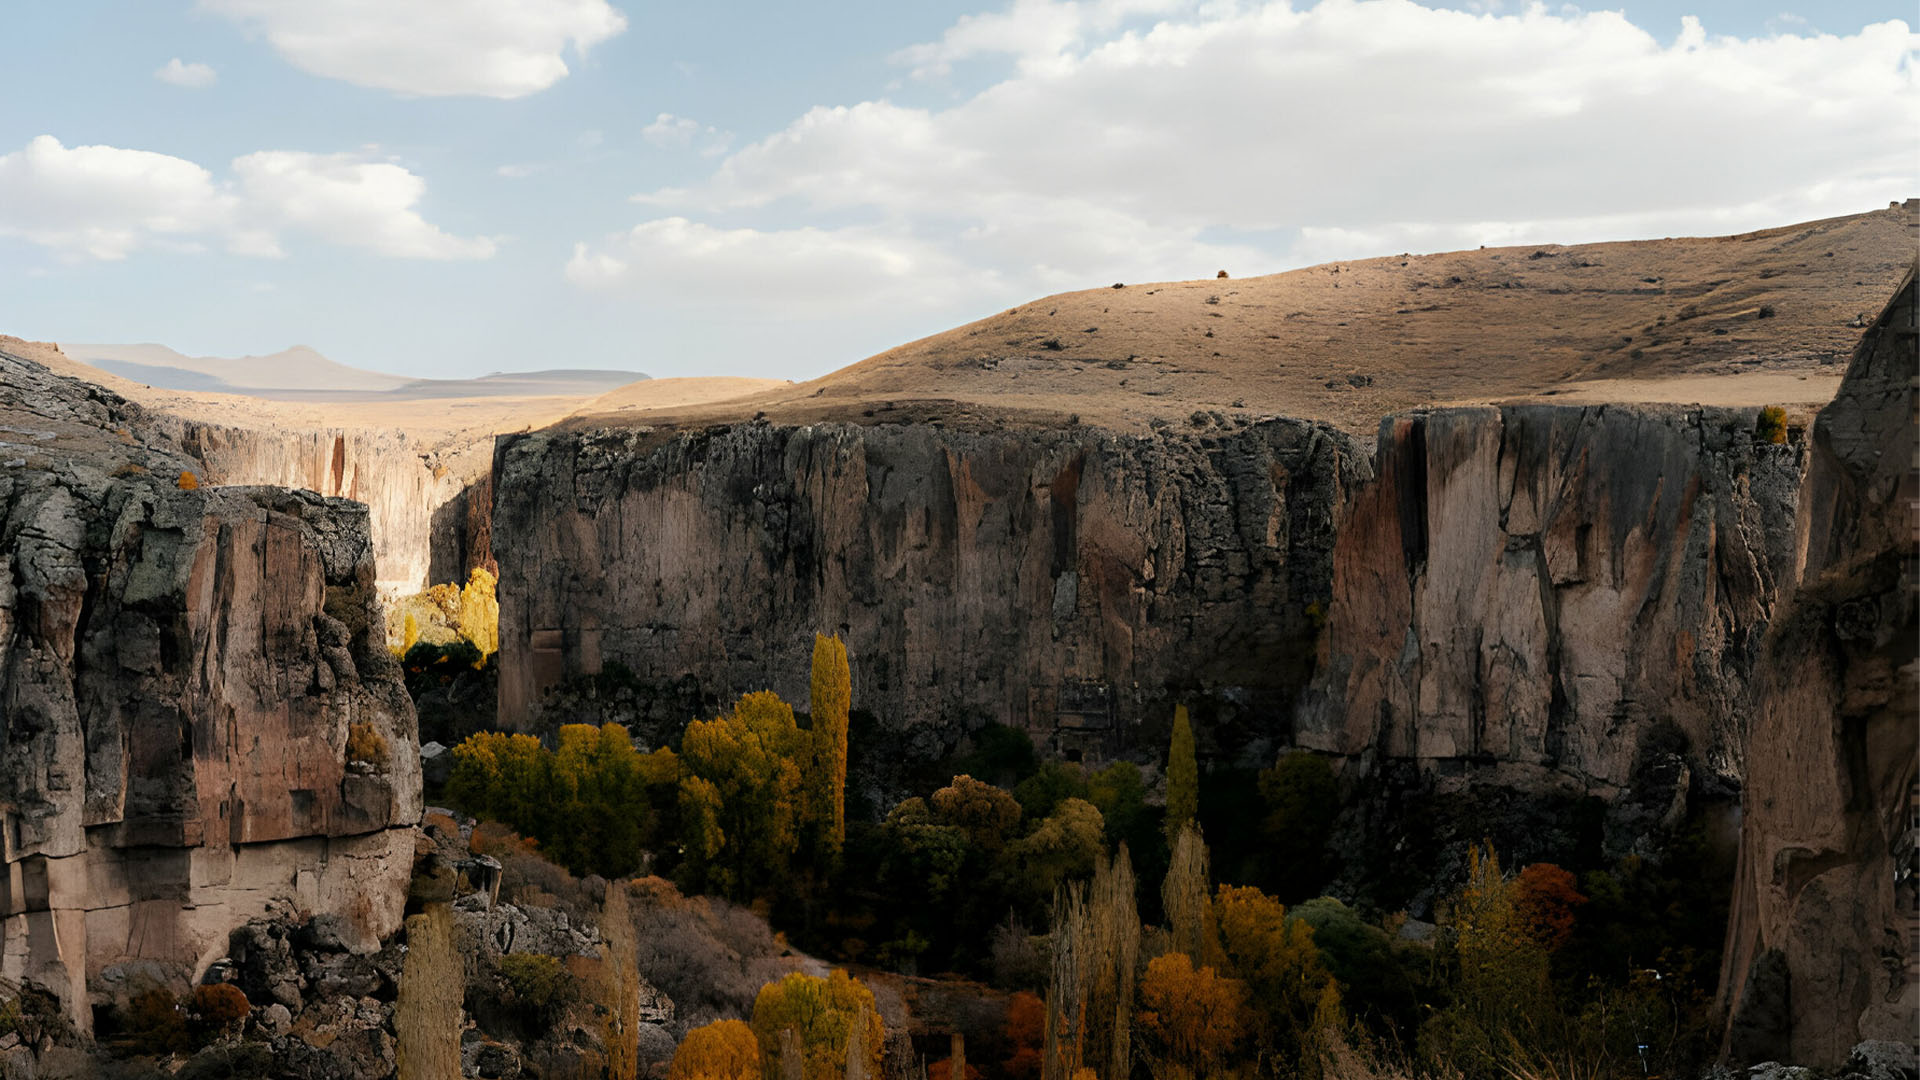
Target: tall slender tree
(426,1018)
(1183,776)
(1185,896)
(831,701)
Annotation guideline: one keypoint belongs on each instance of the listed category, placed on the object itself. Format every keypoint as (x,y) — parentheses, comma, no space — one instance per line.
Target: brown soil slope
(1350,342)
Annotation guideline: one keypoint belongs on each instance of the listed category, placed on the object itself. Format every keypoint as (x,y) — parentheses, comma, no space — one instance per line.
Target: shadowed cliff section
(1825,931)
(1065,581)
(180,667)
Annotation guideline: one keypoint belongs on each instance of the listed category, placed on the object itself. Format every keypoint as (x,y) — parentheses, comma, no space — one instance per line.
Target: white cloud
(1136,139)
(788,270)
(433,48)
(194,76)
(670,132)
(106,202)
(347,199)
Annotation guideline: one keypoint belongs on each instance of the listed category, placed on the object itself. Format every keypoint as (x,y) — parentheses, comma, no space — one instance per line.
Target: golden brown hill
(1761,317)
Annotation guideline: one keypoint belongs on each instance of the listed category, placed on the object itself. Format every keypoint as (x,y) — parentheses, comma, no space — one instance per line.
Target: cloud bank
(1142,139)
(107,202)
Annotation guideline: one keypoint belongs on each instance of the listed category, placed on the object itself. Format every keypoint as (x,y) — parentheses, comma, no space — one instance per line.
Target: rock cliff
(416,496)
(181,670)
(1825,929)
(1541,589)
(1061,580)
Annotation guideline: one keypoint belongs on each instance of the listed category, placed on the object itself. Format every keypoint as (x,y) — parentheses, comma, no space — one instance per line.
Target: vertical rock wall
(1526,595)
(179,674)
(1065,581)
(1823,948)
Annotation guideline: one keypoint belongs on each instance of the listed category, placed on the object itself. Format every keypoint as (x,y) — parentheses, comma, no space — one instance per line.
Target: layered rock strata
(182,669)
(1824,937)
(1066,581)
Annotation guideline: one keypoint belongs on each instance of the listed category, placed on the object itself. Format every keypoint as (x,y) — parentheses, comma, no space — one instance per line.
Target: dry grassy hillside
(1763,317)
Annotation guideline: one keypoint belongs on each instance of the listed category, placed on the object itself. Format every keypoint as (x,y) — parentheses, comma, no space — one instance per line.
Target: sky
(447,188)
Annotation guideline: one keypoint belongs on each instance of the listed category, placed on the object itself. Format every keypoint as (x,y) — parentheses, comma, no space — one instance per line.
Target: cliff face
(1065,581)
(1536,595)
(418,504)
(1825,930)
(179,671)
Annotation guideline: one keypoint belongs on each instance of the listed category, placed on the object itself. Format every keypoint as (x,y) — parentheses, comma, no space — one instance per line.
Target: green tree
(1301,797)
(831,702)
(1053,783)
(1121,794)
(1183,776)
(1063,846)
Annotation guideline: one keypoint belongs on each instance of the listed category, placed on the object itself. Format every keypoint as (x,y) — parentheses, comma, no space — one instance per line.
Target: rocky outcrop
(1825,929)
(1539,596)
(181,670)
(1066,581)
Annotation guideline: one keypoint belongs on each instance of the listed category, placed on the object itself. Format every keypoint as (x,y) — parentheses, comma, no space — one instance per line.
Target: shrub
(1771,427)
(541,986)
(153,1019)
(365,746)
(217,1008)
(188,481)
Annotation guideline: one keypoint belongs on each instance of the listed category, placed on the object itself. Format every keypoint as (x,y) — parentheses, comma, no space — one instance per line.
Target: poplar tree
(831,700)
(1183,776)
(1184,895)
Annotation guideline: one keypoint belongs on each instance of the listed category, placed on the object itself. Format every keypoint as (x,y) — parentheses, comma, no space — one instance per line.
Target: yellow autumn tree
(480,612)
(822,1014)
(831,701)
(1276,958)
(722,1050)
(741,797)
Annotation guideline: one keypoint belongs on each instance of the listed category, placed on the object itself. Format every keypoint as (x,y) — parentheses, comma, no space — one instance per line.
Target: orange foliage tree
(1192,1019)
(1544,899)
(1026,1035)
(722,1050)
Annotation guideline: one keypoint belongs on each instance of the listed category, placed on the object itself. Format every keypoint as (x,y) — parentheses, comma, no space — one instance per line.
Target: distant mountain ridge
(303,374)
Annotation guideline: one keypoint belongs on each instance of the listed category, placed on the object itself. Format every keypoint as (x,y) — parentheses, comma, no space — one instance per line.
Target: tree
(821,1013)
(722,1050)
(1544,899)
(1121,794)
(831,702)
(1183,776)
(622,985)
(1276,958)
(426,1018)
(1115,947)
(1184,895)
(751,797)
(1026,1035)
(480,612)
(1053,783)
(1301,798)
(1063,846)
(1192,1019)
(984,812)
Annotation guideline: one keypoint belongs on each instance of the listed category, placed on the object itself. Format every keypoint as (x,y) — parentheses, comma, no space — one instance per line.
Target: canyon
(1522,581)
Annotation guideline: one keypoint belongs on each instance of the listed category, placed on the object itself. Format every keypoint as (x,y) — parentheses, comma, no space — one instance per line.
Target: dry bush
(711,957)
(366,746)
(188,481)
(217,1008)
